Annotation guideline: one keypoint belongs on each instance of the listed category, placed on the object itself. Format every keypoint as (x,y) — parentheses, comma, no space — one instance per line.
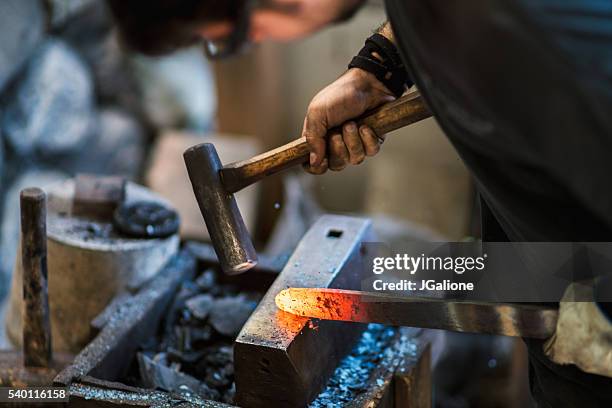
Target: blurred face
(283,20)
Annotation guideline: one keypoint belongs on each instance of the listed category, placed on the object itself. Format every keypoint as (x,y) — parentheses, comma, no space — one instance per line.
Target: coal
(157,374)
(229,314)
(207,280)
(50,111)
(195,342)
(200,305)
(217,367)
(201,335)
(352,374)
(22,25)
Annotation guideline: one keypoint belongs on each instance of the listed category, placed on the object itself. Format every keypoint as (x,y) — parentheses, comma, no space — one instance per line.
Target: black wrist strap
(389,69)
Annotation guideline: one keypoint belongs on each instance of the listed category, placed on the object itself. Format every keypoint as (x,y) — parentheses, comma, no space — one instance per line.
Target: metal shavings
(153,399)
(352,374)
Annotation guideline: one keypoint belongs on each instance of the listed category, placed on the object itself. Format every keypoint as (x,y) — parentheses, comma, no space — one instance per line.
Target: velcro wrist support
(389,69)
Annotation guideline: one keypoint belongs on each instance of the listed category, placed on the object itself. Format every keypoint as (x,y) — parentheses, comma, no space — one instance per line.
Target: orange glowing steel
(327,304)
(509,319)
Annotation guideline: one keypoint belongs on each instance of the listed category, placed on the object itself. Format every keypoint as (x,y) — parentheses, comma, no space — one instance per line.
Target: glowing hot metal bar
(507,319)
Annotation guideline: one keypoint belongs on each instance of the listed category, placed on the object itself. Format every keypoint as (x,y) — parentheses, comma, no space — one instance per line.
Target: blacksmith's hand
(355,92)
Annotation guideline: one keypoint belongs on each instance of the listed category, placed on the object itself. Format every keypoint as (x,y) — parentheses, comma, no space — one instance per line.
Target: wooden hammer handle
(391,116)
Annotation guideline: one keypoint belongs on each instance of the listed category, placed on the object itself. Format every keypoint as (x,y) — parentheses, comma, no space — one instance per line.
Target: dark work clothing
(523,90)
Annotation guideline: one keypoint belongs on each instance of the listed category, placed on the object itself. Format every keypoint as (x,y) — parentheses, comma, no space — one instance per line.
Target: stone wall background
(73,101)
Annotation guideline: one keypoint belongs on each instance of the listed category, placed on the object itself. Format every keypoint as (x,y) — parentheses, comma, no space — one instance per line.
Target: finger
(318,170)
(338,154)
(371,143)
(315,129)
(354,145)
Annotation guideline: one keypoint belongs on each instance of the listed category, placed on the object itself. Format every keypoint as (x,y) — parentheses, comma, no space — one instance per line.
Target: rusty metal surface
(107,356)
(281,360)
(92,392)
(225,225)
(506,319)
(36,321)
(14,374)
(105,315)
(97,196)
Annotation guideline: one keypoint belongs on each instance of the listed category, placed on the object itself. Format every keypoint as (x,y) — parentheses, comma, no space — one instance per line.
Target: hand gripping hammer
(214,185)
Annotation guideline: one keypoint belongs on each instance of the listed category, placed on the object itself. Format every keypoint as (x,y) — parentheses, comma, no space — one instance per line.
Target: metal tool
(215,184)
(507,319)
(35,364)
(36,324)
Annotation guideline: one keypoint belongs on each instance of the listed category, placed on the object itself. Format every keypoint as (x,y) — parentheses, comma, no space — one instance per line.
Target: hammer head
(226,228)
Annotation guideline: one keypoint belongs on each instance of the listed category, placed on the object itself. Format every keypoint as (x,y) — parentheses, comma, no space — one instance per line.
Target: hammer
(214,185)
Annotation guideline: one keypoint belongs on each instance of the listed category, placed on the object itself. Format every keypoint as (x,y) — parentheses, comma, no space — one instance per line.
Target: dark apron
(523,90)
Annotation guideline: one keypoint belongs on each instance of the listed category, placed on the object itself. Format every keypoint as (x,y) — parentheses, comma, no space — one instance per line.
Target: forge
(184,338)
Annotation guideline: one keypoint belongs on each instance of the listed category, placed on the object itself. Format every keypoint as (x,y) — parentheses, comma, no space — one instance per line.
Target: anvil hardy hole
(334,233)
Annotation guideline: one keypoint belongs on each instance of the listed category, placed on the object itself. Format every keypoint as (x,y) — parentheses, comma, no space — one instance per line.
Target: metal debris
(153,399)
(353,373)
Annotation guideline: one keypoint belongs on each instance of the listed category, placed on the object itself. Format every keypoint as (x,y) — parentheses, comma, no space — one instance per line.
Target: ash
(352,374)
(194,351)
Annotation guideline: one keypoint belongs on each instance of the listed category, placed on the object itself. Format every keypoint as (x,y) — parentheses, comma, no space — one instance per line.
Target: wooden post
(36,326)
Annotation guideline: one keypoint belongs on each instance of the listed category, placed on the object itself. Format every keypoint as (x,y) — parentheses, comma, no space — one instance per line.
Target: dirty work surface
(193,352)
(352,376)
